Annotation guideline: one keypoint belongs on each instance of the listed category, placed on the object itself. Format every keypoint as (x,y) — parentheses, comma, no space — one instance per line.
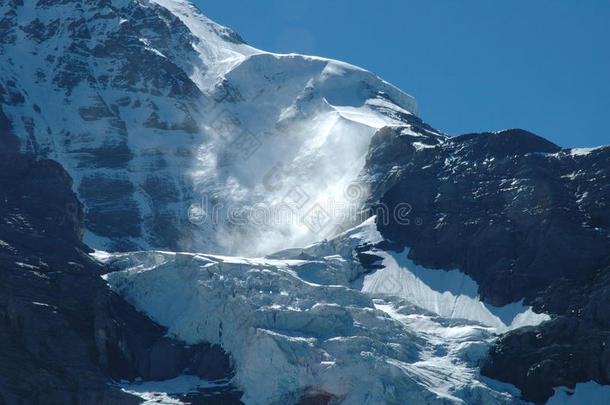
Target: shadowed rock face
(526,220)
(502,207)
(572,347)
(64,334)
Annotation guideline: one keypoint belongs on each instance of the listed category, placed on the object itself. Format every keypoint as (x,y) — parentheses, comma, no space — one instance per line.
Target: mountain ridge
(147,98)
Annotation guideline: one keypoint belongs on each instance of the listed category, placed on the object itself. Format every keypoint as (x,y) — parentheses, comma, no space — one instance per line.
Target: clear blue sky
(540,65)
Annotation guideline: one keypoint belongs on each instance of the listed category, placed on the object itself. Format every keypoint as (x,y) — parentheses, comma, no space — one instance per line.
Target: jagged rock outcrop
(572,347)
(523,217)
(65,336)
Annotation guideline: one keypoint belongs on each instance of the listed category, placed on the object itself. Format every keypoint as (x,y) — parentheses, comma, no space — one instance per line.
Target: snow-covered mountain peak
(194,134)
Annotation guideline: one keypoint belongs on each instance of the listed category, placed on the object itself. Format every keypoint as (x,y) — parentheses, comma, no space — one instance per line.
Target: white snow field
(321,324)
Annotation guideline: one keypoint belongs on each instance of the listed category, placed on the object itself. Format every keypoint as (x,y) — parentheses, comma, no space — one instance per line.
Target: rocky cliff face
(524,218)
(65,336)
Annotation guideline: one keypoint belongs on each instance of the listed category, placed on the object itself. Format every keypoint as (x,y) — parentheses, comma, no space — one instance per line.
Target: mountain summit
(168,115)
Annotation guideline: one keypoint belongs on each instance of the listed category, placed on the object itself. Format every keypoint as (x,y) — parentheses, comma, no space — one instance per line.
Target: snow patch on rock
(583,394)
(450,294)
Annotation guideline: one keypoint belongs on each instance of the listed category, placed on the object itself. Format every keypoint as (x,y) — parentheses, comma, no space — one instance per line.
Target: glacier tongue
(297,328)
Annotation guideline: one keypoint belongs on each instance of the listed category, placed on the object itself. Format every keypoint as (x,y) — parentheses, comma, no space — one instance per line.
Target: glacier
(298,327)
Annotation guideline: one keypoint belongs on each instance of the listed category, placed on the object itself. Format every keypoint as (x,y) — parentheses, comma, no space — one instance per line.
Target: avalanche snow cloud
(202,142)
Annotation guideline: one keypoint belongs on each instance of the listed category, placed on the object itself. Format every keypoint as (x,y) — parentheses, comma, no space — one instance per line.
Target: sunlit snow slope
(192,134)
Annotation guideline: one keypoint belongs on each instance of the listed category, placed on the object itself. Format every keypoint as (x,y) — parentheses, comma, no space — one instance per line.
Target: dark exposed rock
(8,141)
(573,347)
(111,156)
(504,218)
(65,336)
(526,220)
(369,261)
(120,207)
(317,397)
